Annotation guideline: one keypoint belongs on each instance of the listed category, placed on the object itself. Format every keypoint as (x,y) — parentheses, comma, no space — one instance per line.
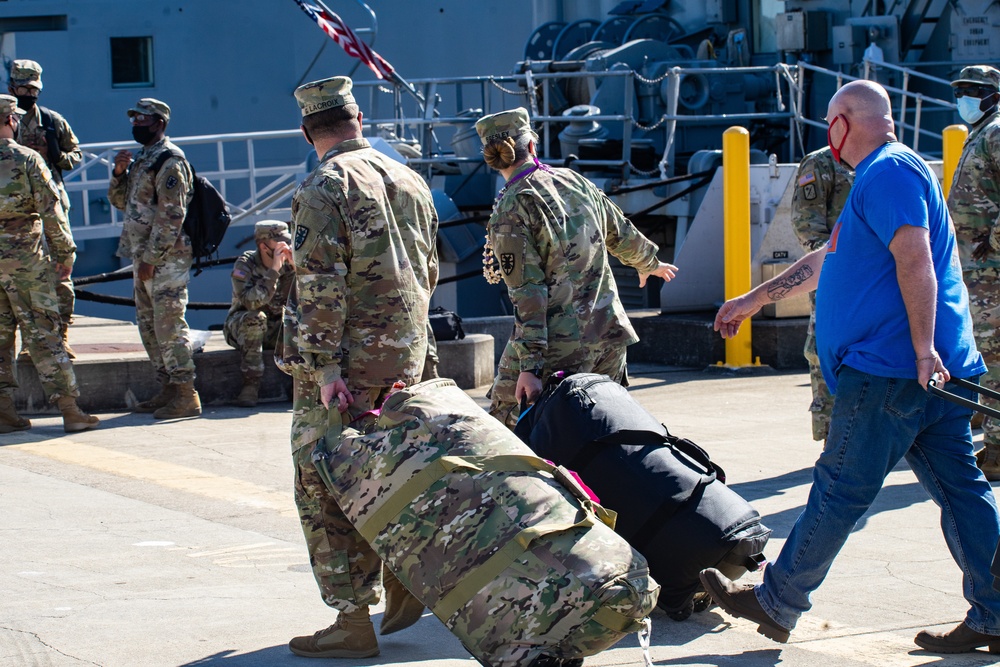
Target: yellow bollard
(736,233)
(952,140)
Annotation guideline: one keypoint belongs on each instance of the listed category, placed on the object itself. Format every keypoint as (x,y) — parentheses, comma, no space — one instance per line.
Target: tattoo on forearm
(780,289)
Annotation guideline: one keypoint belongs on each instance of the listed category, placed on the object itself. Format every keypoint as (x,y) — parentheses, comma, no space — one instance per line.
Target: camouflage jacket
(155,205)
(32,135)
(821,189)
(364,240)
(29,203)
(258,287)
(974,200)
(551,232)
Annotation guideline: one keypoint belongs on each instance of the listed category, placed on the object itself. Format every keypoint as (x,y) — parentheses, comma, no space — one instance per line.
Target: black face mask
(143,134)
(26,103)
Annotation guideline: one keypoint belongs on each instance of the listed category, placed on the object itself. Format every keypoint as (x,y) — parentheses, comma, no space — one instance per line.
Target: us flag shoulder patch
(807,178)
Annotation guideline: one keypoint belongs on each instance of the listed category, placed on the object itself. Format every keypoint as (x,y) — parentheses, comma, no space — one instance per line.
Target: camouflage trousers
(66,298)
(984,305)
(159,311)
(251,332)
(822,400)
(66,295)
(28,300)
(504,405)
(347,570)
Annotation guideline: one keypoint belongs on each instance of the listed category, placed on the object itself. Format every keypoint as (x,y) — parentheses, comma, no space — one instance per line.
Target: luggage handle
(933,388)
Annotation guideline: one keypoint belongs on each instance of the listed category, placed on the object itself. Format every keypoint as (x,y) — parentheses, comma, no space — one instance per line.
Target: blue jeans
(876,421)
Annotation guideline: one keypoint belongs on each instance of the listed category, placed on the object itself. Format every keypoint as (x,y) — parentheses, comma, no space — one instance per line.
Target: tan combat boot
(64,330)
(988,460)
(75,419)
(10,421)
(352,636)
(402,609)
(185,403)
(167,392)
(251,389)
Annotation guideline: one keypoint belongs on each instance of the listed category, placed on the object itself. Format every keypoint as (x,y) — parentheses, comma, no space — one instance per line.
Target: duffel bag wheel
(702,601)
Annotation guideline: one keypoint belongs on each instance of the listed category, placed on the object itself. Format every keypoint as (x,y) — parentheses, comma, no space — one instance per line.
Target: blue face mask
(969,109)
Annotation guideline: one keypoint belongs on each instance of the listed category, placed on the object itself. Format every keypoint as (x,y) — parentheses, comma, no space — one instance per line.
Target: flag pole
(396,78)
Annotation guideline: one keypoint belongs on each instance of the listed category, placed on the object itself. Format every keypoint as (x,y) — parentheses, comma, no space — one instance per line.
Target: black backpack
(207,216)
(53,150)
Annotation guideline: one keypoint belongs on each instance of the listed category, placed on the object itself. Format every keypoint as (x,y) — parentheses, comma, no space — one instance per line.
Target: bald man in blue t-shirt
(891,312)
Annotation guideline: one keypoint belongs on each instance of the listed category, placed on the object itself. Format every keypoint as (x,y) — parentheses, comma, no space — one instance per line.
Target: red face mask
(847,128)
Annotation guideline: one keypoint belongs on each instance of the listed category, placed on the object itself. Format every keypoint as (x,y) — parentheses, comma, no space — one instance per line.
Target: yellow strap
(426,478)
(477,579)
(618,622)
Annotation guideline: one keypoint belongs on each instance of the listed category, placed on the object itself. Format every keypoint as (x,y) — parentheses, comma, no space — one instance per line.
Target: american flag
(335,28)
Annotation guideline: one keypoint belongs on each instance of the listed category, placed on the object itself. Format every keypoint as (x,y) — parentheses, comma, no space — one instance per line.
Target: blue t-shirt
(860,316)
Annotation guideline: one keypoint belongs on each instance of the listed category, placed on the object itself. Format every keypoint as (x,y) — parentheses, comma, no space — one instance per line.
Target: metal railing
(256,172)
(902,98)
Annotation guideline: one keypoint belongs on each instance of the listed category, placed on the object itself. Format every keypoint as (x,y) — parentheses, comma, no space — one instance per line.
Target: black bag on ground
(207,216)
(672,502)
(445,324)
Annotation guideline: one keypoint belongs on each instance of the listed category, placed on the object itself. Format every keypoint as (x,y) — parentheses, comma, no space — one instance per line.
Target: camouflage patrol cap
(324,94)
(505,124)
(26,73)
(8,105)
(271,229)
(978,75)
(150,107)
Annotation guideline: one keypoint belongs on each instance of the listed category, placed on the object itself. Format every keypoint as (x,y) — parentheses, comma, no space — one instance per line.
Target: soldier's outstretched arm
(626,242)
(664,270)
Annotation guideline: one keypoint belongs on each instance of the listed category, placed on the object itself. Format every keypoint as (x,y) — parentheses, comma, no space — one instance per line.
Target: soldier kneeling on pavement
(262,279)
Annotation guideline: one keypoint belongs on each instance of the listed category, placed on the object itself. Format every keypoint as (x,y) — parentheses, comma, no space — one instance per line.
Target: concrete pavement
(146,544)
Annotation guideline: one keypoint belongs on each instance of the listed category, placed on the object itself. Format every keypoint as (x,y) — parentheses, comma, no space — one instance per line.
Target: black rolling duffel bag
(672,502)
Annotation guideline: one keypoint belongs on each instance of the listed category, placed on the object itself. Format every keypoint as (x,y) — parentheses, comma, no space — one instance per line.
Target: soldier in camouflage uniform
(974,204)
(548,240)
(821,188)
(155,201)
(364,243)
(48,133)
(262,280)
(30,202)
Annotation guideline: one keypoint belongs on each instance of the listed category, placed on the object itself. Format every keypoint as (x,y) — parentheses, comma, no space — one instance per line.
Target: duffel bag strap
(475,581)
(445,465)
(479,578)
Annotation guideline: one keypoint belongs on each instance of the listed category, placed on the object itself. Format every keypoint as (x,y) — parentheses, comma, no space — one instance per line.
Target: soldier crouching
(262,279)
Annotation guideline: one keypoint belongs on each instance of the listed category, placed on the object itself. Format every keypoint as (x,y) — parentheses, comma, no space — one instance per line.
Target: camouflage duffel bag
(506,549)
